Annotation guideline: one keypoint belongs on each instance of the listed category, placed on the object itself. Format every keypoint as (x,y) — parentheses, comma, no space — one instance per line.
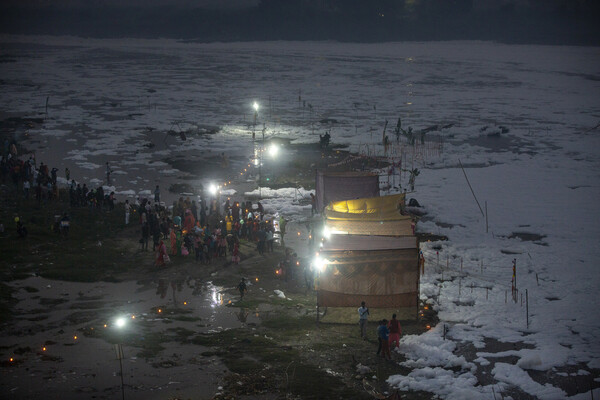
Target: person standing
(282,225)
(313,204)
(161,255)
(235,258)
(242,288)
(395,331)
(363,316)
(378,338)
(26,187)
(67,174)
(383,334)
(145,235)
(157,194)
(127,211)
(108,172)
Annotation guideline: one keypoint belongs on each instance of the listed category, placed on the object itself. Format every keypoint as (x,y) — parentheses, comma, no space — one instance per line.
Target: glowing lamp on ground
(120,322)
(273,150)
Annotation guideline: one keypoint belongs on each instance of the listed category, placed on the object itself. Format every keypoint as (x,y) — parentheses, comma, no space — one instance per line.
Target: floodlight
(320,263)
(120,322)
(273,150)
(213,189)
(256,106)
(326,232)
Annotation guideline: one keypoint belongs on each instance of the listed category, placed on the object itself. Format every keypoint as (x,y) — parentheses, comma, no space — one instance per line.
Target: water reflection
(242,315)
(216,296)
(204,300)
(163,288)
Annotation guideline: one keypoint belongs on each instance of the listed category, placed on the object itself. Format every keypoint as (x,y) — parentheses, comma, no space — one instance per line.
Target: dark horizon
(524,22)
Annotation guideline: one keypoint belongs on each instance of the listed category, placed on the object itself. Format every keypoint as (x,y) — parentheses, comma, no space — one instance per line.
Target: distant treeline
(533,21)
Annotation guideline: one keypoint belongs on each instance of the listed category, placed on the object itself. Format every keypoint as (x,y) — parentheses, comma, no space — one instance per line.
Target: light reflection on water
(204,300)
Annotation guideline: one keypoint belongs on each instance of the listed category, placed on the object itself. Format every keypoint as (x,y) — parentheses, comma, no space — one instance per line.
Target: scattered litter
(279,294)
(362,369)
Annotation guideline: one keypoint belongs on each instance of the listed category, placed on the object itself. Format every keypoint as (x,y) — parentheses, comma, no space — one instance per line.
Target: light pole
(256,107)
(120,324)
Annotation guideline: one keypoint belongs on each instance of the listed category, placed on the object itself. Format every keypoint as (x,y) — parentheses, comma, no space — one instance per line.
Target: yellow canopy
(383,208)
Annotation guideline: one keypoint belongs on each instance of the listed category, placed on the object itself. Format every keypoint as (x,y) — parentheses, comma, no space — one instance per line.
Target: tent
(334,186)
(371,255)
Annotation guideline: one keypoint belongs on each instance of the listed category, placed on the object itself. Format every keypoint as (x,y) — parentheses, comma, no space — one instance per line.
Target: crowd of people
(40,182)
(206,230)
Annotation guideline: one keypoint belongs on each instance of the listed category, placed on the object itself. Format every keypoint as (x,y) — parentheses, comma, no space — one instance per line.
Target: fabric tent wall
(386,278)
(334,186)
(381,228)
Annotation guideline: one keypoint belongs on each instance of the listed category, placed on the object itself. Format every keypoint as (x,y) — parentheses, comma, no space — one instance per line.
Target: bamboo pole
(470,187)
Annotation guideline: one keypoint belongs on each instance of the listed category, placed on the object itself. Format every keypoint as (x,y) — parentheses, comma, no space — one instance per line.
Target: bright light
(213,189)
(255,105)
(326,233)
(320,264)
(273,150)
(120,322)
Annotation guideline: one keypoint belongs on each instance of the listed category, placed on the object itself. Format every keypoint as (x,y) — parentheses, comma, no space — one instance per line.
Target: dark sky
(220,4)
(512,21)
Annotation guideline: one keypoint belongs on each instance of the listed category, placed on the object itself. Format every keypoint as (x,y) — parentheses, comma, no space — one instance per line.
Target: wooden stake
(486,218)
(527,307)
(522,298)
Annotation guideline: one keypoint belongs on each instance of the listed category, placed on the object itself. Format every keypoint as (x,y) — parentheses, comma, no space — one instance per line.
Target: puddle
(59,309)
(55,321)
(536,238)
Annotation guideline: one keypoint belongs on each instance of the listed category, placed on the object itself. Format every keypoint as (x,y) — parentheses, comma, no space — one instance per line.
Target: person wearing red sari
(173,238)
(189,221)
(235,258)
(161,254)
